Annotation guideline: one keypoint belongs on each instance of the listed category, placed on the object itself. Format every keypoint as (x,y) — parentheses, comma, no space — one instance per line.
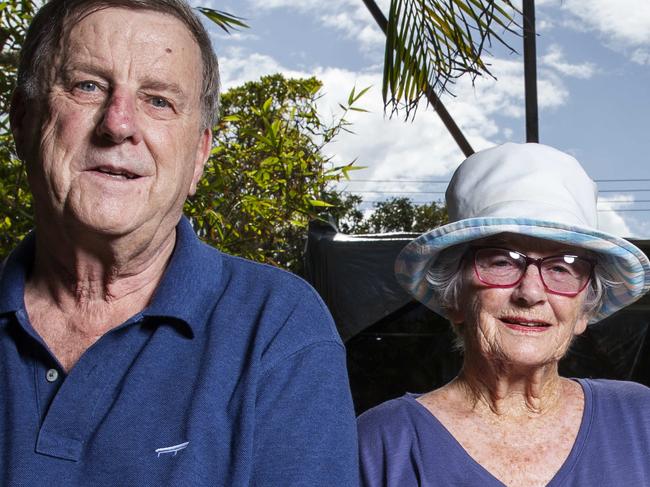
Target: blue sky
(594,94)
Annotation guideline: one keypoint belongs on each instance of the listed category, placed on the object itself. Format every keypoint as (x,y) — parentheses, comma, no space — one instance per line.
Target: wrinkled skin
(489,316)
(118,145)
(113,148)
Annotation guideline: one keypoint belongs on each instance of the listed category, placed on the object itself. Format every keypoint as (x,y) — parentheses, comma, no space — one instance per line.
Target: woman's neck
(507,390)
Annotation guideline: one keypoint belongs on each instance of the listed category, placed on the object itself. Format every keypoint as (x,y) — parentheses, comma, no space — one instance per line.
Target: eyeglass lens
(561,273)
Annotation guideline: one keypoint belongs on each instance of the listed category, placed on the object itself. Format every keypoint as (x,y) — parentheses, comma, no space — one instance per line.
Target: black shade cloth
(354,275)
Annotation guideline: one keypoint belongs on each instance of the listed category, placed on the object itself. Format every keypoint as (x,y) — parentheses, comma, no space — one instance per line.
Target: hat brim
(625,263)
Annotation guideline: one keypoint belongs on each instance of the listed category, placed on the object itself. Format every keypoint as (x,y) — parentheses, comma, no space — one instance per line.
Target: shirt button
(52,375)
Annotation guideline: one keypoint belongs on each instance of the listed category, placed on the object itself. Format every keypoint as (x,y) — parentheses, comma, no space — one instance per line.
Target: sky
(593,94)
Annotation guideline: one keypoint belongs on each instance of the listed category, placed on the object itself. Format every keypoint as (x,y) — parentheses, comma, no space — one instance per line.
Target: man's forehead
(131,25)
(118,38)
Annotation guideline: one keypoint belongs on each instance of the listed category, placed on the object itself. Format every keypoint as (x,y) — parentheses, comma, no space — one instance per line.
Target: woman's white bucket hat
(527,189)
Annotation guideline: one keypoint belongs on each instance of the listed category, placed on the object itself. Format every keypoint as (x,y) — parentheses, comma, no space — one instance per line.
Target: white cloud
(301,5)
(625,22)
(395,149)
(238,66)
(641,56)
(236,36)
(371,38)
(312,5)
(610,219)
(340,21)
(350,17)
(639,225)
(555,59)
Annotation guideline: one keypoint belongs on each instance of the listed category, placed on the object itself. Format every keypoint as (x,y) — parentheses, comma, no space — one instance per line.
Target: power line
(394,192)
(387,191)
(622,210)
(622,190)
(625,201)
(637,180)
(422,202)
(396,181)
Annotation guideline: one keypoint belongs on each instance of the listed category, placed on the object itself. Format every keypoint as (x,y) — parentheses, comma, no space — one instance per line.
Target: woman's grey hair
(446,277)
(53,21)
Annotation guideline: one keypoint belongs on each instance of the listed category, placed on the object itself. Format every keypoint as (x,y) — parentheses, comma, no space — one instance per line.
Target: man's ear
(18,120)
(202,153)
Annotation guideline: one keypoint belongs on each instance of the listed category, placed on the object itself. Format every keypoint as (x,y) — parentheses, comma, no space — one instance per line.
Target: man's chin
(108,224)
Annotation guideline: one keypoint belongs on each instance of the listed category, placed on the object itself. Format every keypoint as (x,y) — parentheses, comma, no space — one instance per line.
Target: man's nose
(530,289)
(119,119)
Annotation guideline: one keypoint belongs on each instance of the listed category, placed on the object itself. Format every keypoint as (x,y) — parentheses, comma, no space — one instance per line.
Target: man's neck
(79,276)
(74,296)
(79,265)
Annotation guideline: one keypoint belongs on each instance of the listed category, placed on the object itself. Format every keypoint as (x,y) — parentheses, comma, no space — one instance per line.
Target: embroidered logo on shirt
(172,449)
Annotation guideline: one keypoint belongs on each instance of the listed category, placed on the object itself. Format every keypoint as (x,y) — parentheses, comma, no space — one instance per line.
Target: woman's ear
(456,316)
(581,324)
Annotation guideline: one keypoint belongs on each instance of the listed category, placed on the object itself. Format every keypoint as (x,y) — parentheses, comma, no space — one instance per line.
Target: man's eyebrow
(67,68)
(164,86)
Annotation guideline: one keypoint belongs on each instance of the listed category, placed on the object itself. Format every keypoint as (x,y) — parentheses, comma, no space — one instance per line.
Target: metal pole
(440,109)
(530,72)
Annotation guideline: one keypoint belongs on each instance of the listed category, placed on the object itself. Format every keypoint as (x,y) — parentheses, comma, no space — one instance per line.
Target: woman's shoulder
(616,389)
(393,415)
(393,447)
(394,423)
(611,397)
(616,434)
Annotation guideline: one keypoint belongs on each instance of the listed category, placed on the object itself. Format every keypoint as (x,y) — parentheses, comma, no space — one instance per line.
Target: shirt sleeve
(305,431)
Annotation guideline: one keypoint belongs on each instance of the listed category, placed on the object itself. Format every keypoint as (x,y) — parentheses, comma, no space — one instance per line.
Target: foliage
(394,215)
(434,42)
(267,176)
(346,214)
(15,199)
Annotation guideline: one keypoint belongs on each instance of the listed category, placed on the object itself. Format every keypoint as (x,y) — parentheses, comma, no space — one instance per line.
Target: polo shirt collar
(13,275)
(191,283)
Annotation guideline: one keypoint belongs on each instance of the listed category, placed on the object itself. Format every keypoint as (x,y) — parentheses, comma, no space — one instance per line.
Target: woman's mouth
(525,324)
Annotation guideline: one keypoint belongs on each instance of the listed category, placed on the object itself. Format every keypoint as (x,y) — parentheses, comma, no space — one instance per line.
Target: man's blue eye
(159,102)
(87,86)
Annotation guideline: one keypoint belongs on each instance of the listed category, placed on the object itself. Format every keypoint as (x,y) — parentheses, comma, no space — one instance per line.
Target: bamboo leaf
(321,204)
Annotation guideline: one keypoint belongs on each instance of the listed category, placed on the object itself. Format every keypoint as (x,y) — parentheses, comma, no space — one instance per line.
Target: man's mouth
(117,173)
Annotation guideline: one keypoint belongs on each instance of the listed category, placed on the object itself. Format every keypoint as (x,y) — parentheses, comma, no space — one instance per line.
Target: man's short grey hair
(53,21)
(446,277)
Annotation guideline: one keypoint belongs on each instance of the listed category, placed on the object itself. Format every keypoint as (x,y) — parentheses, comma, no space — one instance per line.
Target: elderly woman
(519,273)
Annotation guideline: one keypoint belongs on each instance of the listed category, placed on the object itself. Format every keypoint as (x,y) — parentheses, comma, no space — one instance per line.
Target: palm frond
(224,20)
(431,43)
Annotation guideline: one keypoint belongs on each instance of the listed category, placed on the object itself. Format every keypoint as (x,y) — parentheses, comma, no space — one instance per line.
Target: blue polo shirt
(234,375)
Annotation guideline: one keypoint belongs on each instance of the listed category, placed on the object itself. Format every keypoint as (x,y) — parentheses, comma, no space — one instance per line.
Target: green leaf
(224,20)
(320,203)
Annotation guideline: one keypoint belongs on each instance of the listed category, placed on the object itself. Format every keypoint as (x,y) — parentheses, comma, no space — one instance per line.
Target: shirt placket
(72,405)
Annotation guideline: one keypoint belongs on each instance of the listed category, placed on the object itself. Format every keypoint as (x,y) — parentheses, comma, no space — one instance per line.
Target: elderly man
(131,353)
